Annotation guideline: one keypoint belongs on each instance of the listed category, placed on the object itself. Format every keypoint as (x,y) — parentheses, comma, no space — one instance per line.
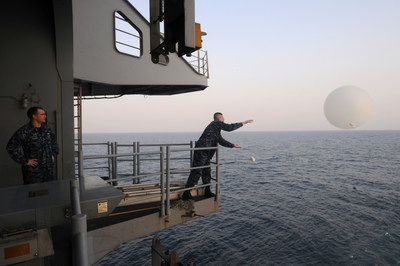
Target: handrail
(199,63)
(111,148)
(164,144)
(105,156)
(196,149)
(169,172)
(95,143)
(165,172)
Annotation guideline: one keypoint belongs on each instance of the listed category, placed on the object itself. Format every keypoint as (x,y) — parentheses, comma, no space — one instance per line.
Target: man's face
(40,116)
(221,118)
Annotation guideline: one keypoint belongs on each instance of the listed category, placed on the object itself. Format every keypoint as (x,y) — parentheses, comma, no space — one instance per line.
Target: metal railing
(164,172)
(199,62)
(111,169)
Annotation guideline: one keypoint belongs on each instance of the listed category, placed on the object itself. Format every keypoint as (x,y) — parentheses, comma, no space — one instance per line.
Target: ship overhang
(100,89)
(104,68)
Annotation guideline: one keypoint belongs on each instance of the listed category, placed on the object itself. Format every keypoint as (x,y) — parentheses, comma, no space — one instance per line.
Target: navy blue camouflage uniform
(210,138)
(30,142)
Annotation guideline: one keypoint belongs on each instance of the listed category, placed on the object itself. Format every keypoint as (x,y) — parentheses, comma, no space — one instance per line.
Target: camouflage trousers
(33,175)
(200,158)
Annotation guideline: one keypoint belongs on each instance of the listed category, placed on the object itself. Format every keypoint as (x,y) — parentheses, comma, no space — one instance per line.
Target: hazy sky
(275,62)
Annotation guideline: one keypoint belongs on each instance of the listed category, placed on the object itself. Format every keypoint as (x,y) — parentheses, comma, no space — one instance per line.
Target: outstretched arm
(244,123)
(234,126)
(248,121)
(225,143)
(230,127)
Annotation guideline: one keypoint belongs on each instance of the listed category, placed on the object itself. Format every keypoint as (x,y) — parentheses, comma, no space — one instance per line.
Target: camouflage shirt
(212,136)
(30,142)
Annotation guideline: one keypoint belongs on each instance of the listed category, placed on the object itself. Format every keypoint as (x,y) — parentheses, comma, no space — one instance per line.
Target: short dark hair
(216,115)
(32,111)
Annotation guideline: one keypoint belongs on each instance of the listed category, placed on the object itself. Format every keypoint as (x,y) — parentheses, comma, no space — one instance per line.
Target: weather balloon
(348,107)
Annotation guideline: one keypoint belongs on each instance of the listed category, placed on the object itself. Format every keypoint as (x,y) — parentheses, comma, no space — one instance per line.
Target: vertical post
(156,246)
(198,61)
(167,181)
(138,157)
(134,181)
(191,153)
(162,185)
(109,151)
(217,174)
(80,163)
(114,163)
(80,140)
(203,64)
(74,194)
(81,170)
(208,69)
(79,239)
(79,227)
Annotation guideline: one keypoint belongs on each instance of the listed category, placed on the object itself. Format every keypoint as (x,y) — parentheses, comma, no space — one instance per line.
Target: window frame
(116,42)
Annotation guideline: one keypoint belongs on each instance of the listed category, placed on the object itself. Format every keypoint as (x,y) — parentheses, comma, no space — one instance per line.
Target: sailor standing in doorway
(34,146)
(210,138)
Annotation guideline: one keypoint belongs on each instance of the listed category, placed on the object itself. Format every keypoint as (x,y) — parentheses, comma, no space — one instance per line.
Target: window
(128,38)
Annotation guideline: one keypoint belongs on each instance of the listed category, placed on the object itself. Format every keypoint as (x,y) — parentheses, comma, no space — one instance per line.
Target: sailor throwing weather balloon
(210,138)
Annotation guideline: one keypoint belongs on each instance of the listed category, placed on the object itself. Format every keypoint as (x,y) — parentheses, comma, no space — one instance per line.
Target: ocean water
(309,198)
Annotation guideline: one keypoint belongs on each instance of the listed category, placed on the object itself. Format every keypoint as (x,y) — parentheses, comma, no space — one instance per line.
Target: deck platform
(144,216)
(145,199)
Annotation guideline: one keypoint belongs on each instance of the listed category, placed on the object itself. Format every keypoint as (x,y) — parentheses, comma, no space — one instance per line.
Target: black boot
(187,196)
(208,193)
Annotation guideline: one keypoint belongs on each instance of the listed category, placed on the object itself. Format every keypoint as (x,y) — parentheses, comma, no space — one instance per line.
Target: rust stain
(215,206)
(166,221)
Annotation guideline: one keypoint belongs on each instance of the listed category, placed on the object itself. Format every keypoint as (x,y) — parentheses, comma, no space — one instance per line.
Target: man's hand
(236,146)
(248,121)
(32,162)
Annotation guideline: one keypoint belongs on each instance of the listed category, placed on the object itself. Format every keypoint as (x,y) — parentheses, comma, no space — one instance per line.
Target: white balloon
(348,107)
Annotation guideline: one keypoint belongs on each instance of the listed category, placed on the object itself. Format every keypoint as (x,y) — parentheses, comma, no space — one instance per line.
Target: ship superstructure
(55,54)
